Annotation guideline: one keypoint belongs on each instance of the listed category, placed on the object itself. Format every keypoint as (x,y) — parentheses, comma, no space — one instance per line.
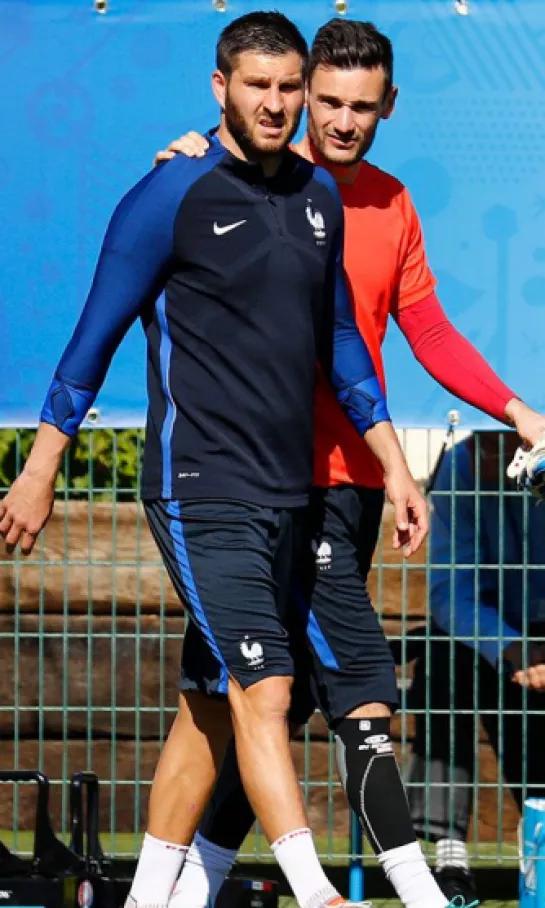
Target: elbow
(364,404)
(430,341)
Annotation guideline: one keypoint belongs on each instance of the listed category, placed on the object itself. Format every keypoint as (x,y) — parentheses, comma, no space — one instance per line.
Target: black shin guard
(371,779)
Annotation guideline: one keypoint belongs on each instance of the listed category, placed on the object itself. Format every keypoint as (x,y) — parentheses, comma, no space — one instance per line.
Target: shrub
(99,459)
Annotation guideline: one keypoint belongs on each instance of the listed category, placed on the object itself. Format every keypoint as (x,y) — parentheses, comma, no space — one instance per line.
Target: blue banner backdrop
(86,99)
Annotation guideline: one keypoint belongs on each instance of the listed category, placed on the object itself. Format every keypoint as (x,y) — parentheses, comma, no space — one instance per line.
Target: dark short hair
(260,32)
(348,44)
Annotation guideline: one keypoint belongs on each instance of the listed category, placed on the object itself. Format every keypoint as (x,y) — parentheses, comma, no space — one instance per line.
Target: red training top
(388,273)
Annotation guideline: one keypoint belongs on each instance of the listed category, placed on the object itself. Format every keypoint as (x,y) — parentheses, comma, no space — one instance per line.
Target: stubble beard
(241,132)
(342,161)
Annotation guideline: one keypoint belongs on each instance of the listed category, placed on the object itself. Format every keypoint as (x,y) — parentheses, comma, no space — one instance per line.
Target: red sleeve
(451,359)
(415,278)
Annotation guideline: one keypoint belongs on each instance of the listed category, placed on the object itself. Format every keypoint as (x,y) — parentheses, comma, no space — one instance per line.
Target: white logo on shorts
(323,554)
(253,653)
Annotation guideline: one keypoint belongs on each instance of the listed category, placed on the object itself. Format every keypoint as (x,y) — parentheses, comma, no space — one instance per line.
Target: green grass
(127,844)
(335,851)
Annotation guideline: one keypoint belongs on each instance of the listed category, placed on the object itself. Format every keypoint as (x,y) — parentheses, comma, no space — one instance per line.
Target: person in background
(486,660)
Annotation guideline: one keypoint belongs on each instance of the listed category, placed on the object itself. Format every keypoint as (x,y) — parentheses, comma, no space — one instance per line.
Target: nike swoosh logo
(219,231)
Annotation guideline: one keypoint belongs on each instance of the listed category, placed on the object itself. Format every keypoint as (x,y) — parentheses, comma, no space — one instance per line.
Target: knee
(370,711)
(267,700)
(208,715)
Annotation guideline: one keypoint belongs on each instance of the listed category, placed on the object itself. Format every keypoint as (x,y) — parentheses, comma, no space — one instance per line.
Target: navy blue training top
(254,293)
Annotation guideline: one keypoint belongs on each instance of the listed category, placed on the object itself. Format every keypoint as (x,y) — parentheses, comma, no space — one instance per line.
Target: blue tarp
(87,99)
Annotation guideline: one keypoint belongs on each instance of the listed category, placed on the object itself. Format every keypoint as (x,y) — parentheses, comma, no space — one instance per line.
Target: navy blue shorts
(352,663)
(305,575)
(231,565)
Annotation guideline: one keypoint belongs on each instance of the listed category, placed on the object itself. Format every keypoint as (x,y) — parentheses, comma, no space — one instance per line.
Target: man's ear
(219,87)
(389,104)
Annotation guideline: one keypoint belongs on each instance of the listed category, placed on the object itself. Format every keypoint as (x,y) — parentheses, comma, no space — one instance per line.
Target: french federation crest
(316,221)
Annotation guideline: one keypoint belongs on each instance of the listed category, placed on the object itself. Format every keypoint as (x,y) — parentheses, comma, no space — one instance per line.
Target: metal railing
(90,633)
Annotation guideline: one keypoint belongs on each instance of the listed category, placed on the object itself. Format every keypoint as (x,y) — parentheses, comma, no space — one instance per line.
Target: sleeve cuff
(364,404)
(66,407)
(493,650)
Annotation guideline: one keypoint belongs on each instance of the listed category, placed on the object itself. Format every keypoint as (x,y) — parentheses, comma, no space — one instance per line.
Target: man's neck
(308,150)
(269,163)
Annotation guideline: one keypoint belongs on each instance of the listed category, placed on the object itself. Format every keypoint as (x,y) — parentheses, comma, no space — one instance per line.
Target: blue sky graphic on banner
(88,98)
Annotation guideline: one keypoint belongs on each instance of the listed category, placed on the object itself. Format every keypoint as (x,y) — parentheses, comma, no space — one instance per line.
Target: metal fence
(90,634)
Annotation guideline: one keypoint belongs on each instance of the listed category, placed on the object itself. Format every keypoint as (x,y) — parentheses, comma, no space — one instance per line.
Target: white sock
(296,854)
(451,853)
(205,869)
(409,874)
(158,868)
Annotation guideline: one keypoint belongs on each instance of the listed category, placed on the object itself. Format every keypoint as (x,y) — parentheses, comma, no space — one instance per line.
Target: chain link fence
(90,635)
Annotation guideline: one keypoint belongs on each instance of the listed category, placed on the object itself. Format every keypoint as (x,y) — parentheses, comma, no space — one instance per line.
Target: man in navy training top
(247,245)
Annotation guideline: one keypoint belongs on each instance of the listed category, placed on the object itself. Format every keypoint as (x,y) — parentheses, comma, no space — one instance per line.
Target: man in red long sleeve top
(350,90)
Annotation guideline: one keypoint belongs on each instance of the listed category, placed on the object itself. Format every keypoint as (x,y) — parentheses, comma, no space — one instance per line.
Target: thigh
(201,670)
(219,555)
(352,662)
(288,544)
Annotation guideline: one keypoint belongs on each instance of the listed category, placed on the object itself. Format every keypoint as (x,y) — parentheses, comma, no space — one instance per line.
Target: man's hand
(193,145)
(533,675)
(529,424)
(533,678)
(24,511)
(27,507)
(410,510)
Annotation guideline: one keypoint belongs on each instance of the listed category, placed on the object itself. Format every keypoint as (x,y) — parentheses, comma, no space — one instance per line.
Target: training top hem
(185,491)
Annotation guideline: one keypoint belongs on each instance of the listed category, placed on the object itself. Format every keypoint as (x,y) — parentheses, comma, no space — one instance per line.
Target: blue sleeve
(132,270)
(346,360)
(457,604)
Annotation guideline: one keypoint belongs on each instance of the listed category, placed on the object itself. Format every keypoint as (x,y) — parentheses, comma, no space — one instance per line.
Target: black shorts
(352,661)
(231,565)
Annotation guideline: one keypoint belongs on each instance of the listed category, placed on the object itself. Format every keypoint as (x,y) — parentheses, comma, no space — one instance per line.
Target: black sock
(228,817)
(371,779)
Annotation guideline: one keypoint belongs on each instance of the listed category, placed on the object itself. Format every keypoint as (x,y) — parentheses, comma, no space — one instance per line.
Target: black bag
(97,885)
(48,879)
